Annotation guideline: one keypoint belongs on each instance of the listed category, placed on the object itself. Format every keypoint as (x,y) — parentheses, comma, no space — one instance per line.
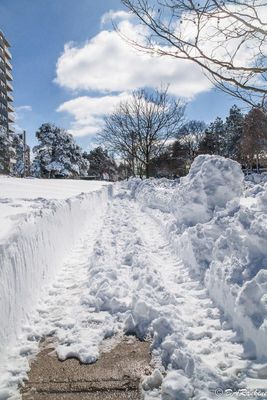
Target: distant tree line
(240,137)
(145,136)
(58,156)
(149,134)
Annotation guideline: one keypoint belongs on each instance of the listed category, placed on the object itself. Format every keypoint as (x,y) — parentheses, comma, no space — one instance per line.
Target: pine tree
(213,141)
(190,136)
(101,164)
(217,130)
(18,146)
(208,145)
(233,133)
(57,155)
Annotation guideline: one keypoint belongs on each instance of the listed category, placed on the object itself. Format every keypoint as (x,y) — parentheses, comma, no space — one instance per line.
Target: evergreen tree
(254,139)
(101,164)
(208,145)
(7,151)
(190,136)
(18,146)
(217,131)
(57,155)
(233,133)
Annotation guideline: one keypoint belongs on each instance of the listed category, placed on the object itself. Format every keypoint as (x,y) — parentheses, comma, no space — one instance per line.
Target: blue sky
(38,30)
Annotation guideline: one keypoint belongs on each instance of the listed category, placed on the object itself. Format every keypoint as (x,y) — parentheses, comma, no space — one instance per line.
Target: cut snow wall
(32,255)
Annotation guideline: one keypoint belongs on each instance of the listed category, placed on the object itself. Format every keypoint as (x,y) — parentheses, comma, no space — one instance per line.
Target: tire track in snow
(137,279)
(123,276)
(217,355)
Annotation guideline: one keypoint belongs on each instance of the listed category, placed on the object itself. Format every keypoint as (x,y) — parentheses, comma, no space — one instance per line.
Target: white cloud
(106,64)
(24,108)
(19,114)
(112,15)
(88,112)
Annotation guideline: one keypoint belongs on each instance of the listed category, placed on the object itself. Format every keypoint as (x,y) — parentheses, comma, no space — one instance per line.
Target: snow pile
(198,195)
(220,232)
(36,234)
(154,193)
(256,178)
(176,386)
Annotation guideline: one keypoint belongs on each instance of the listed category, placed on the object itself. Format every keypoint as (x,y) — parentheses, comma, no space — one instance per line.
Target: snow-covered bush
(57,155)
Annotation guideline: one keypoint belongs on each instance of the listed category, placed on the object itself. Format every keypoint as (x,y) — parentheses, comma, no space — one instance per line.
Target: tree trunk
(147,170)
(257,163)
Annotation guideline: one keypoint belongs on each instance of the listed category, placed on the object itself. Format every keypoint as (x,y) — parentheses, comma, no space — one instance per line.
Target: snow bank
(36,234)
(219,229)
(256,178)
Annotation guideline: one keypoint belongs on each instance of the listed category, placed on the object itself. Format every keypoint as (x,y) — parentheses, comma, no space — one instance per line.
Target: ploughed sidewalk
(115,376)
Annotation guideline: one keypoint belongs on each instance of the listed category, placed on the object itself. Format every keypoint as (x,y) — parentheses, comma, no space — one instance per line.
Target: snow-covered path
(123,276)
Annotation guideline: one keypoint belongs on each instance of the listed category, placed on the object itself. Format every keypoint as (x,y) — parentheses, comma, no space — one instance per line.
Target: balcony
(11,128)
(10,108)
(8,65)
(8,54)
(3,100)
(9,86)
(10,97)
(4,39)
(11,118)
(2,65)
(3,112)
(9,75)
(2,76)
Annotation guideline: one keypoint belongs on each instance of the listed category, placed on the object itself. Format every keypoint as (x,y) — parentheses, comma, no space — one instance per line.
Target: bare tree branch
(140,127)
(227,39)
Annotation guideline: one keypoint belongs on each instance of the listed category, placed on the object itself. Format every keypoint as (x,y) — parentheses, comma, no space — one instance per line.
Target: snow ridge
(219,230)
(33,253)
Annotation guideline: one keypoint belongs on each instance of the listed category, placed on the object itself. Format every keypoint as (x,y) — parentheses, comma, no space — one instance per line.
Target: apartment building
(6,88)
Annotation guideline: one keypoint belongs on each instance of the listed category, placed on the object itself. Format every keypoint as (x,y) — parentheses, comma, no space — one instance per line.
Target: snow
(176,386)
(181,263)
(20,199)
(219,229)
(40,223)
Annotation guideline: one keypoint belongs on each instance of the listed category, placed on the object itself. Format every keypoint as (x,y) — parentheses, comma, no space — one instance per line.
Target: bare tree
(140,127)
(226,38)
(190,136)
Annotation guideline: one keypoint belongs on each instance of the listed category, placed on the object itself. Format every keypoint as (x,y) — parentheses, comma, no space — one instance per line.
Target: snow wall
(218,226)
(31,256)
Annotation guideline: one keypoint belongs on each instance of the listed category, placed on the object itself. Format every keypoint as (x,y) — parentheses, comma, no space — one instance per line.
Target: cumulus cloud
(88,112)
(112,15)
(106,64)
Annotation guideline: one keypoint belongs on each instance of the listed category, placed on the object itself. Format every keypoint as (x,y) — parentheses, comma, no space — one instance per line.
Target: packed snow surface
(20,199)
(40,223)
(182,263)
